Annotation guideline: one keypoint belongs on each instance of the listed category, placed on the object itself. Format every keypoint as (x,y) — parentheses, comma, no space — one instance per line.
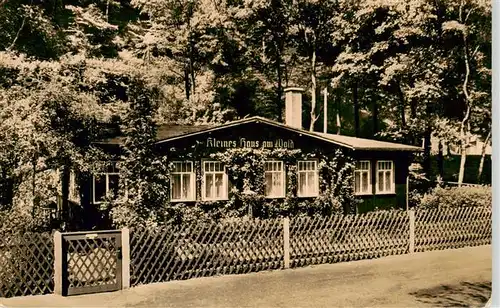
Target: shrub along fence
(237,247)
(26,264)
(250,245)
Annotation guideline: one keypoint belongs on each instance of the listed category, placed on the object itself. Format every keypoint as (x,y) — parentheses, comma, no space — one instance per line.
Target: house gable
(347,142)
(259,131)
(253,133)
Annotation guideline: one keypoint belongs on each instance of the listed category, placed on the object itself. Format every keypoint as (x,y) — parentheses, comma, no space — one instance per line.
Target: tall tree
(267,37)
(143,173)
(470,21)
(48,122)
(312,33)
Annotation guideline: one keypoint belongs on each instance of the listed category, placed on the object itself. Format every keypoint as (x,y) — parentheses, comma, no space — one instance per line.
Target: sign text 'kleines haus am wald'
(245,143)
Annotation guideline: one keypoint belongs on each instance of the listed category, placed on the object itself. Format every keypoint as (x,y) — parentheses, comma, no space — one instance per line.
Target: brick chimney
(293,107)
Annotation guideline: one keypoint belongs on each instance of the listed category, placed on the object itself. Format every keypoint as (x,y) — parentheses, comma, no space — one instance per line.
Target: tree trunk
(427,153)
(279,90)
(65,191)
(464,125)
(463,158)
(263,53)
(107,11)
(192,77)
(483,156)
(412,138)
(187,86)
(339,125)
(13,44)
(356,108)
(402,105)
(325,110)
(440,159)
(375,116)
(413,108)
(314,118)
(6,192)
(192,82)
(464,141)
(427,163)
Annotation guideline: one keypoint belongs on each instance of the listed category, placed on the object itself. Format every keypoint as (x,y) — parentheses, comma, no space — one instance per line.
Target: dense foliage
(143,172)
(457,197)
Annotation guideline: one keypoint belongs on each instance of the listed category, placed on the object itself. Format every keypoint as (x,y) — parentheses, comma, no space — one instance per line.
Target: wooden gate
(91,262)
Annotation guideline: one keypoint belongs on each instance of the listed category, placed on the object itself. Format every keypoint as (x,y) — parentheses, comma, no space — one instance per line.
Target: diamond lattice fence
(205,249)
(26,264)
(239,246)
(344,238)
(92,262)
(443,228)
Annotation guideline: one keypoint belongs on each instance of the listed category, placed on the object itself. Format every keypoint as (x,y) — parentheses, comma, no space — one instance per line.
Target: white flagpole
(325,112)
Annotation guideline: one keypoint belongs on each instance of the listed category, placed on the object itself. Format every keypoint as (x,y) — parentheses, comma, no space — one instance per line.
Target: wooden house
(379,176)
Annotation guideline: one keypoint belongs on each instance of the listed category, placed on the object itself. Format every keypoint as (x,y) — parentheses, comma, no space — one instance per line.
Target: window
(104,184)
(308,183)
(362,183)
(182,182)
(274,177)
(385,177)
(214,181)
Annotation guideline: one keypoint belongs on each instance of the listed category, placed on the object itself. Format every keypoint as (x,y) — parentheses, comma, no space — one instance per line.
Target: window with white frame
(274,177)
(307,177)
(214,181)
(105,184)
(362,174)
(385,177)
(182,182)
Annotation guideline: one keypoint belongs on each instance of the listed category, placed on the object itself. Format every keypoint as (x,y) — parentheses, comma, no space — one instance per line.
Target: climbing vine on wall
(245,171)
(246,185)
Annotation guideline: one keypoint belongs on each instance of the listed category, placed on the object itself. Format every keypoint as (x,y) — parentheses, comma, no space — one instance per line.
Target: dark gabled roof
(173,132)
(370,144)
(164,132)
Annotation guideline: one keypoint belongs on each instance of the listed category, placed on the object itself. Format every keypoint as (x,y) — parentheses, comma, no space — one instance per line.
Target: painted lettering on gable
(248,143)
(215,143)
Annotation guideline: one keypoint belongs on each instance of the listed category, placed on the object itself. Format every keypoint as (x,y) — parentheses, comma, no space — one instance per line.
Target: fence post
(286,242)
(58,263)
(411,214)
(407,191)
(125,258)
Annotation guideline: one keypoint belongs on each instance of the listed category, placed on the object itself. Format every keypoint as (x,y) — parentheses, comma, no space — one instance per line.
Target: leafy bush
(457,197)
(21,233)
(21,219)
(26,263)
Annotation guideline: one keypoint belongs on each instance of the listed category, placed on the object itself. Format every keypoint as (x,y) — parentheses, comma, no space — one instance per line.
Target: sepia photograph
(246,153)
